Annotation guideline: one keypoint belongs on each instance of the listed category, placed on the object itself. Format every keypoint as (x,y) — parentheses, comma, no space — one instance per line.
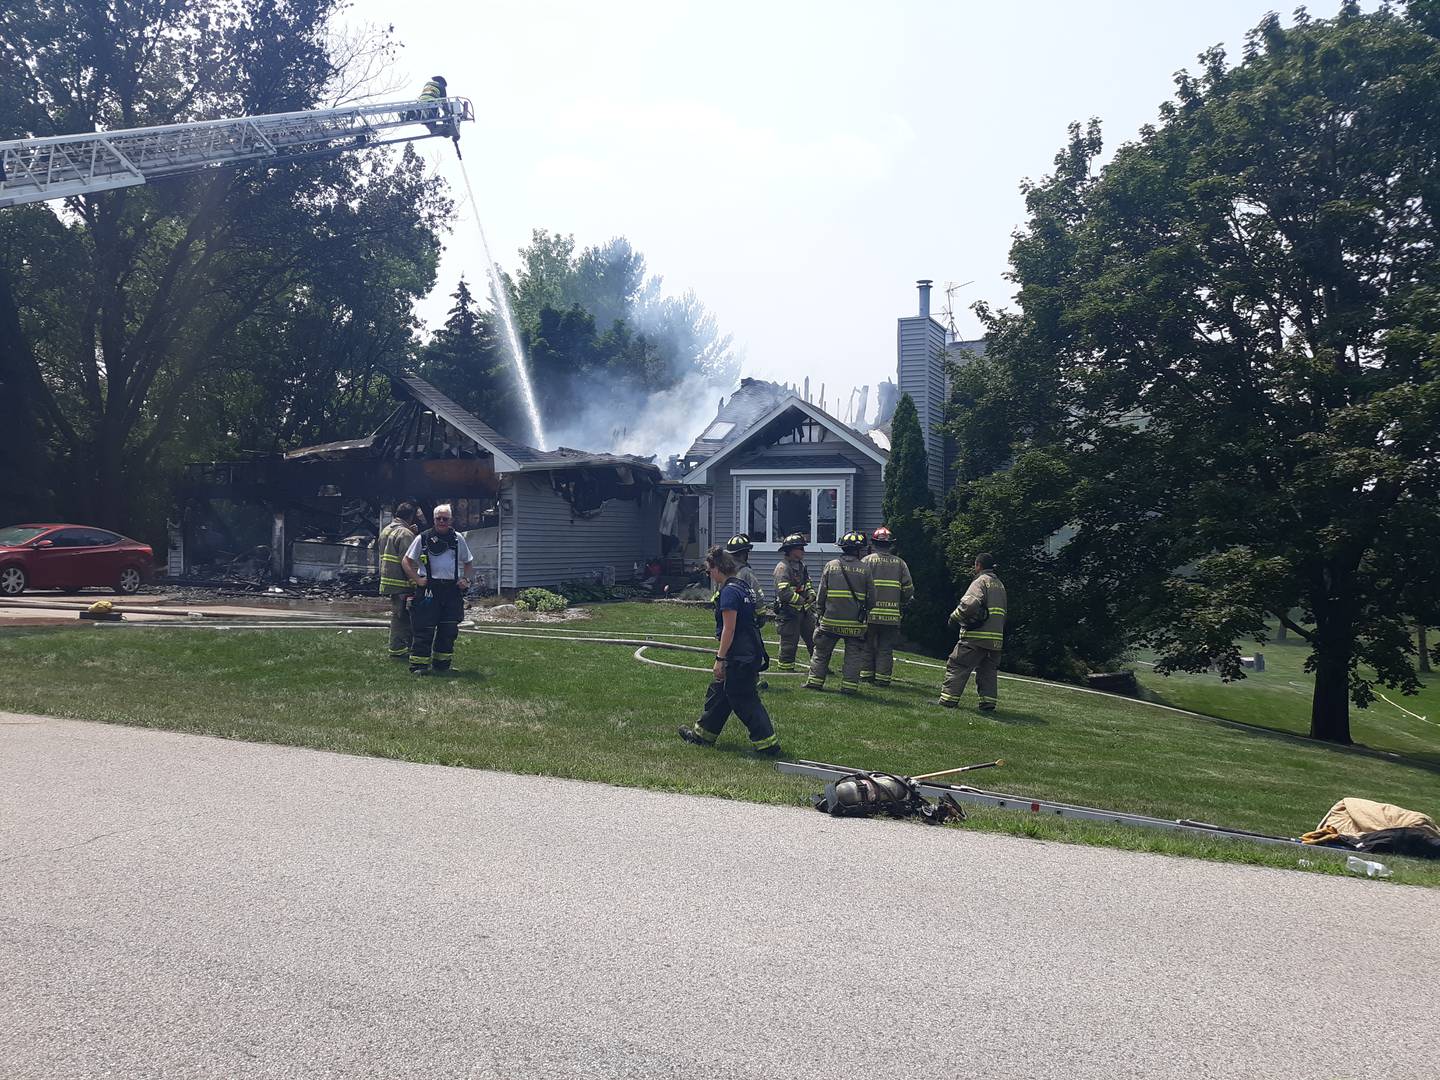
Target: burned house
(532,517)
(771,464)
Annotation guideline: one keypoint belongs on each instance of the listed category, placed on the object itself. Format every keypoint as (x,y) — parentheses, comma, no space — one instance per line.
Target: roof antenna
(951,288)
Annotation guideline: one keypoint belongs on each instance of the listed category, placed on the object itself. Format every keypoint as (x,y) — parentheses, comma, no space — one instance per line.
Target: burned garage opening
(532,517)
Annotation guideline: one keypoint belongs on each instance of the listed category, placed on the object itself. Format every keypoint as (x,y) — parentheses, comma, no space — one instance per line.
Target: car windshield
(16,535)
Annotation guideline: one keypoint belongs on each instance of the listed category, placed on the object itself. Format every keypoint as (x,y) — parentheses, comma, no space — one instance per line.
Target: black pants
(435,616)
(737,693)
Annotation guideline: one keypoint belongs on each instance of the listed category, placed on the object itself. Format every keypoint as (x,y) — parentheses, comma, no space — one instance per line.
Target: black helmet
(738,545)
(852,541)
(794,540)
(438,79)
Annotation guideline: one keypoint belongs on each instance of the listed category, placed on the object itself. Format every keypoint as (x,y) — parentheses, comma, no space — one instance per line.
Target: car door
(101,557)
(54,565)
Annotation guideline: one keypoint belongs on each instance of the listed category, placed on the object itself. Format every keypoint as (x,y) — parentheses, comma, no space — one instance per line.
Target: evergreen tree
(908,513)
(467,360)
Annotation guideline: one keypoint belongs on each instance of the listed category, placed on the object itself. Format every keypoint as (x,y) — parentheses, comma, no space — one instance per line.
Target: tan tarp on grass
(1351,817)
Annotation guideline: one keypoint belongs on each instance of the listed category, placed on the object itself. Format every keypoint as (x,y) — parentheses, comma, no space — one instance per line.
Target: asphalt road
(179,906)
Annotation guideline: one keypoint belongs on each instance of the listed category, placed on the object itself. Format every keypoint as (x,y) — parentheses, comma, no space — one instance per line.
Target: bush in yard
(540,600)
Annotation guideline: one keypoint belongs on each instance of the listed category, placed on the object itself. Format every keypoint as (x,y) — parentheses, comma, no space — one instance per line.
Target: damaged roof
(509,455)
(752,400)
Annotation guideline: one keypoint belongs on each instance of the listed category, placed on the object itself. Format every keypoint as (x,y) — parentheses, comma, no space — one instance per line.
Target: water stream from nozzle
(507,320)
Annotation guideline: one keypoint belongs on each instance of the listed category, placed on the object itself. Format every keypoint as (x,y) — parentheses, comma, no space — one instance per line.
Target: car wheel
(12,581)
(129,581)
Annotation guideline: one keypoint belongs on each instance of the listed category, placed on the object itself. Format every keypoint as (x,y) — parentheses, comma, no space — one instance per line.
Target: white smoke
(619,420)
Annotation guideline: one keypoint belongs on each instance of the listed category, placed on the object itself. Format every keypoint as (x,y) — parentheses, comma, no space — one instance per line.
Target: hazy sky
(798,164)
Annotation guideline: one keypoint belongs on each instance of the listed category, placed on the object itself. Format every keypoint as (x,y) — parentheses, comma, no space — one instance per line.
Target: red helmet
(882,535)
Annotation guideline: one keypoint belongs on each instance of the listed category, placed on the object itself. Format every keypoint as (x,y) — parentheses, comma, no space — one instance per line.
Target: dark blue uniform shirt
(736,597)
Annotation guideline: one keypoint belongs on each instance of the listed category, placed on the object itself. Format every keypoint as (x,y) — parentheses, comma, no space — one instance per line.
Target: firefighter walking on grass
(794,602)
(844,602)
(439,563)
(981,615)
(893,589)
(395,540)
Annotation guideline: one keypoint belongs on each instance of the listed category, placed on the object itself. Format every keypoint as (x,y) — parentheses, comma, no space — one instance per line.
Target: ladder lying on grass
(1000,801)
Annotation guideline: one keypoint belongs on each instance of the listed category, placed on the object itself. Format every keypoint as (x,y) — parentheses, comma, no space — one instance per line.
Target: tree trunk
(1424,648)
(1281,632)
(1330,706)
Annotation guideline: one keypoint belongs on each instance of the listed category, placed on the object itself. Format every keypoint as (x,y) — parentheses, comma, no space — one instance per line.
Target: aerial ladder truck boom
(57,167)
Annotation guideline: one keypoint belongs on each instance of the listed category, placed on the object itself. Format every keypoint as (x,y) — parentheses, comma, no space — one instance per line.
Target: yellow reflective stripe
(997,611)
(985,635)
(766,743)
(393,581)
(390,558)
(846,593)
(887,581)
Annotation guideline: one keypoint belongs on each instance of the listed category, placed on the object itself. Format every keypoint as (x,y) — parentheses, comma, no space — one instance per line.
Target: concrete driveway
(180,906)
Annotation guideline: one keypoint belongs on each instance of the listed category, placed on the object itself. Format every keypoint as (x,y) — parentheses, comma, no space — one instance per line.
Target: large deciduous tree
(1238,320)
(249,306)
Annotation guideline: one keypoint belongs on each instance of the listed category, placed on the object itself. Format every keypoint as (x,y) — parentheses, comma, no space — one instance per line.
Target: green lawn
(1279,698)
(590,711)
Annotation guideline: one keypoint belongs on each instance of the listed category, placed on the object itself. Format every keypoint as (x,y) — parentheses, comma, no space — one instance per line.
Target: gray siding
(508,532)
(862,507)
(920,349)
(552,545)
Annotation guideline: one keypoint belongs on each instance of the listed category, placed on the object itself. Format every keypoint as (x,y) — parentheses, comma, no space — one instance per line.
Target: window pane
(827,501)
(759,498)
(792,512)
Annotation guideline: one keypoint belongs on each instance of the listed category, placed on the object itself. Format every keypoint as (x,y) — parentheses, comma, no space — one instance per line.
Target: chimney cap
(924,281)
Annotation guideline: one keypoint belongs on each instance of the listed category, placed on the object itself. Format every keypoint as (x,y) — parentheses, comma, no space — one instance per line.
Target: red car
(71,558)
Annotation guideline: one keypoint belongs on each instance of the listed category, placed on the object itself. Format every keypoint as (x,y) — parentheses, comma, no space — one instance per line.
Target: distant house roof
(752,400)
(758,426)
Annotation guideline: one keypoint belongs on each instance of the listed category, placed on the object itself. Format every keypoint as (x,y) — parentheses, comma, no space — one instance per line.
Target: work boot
(690,735)
(769,751)
(987,706)
(948,704)
(764,684)
(419,671)
(814,686)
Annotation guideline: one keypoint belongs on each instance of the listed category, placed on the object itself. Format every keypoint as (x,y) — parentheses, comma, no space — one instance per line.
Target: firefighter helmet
(738,545)
(852,541)
(882,535)
(794,540)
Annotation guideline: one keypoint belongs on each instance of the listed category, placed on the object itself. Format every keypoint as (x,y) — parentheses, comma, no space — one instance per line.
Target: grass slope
(1279,697)
(590,711)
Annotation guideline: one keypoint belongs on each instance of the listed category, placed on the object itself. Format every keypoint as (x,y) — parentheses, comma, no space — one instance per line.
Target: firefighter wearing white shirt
(439,563)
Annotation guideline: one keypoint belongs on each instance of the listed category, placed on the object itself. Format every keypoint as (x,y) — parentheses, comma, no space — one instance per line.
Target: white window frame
(748,480)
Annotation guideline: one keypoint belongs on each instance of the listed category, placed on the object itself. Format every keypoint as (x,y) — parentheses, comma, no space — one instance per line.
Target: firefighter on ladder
(439,563)
(794,602)
(843,602)
(395,541)
(893,589)
(437,119)
(981,615)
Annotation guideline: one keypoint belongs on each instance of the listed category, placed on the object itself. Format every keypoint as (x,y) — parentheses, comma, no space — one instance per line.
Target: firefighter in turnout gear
(794,602)
(437,119)
(893,589)
(395,540)
(439,563)
(844,602)
(739,548)
(739,658)
(981,615)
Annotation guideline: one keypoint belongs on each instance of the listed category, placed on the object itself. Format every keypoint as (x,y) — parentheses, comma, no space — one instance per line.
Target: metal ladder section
(60,166)
(999,801)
